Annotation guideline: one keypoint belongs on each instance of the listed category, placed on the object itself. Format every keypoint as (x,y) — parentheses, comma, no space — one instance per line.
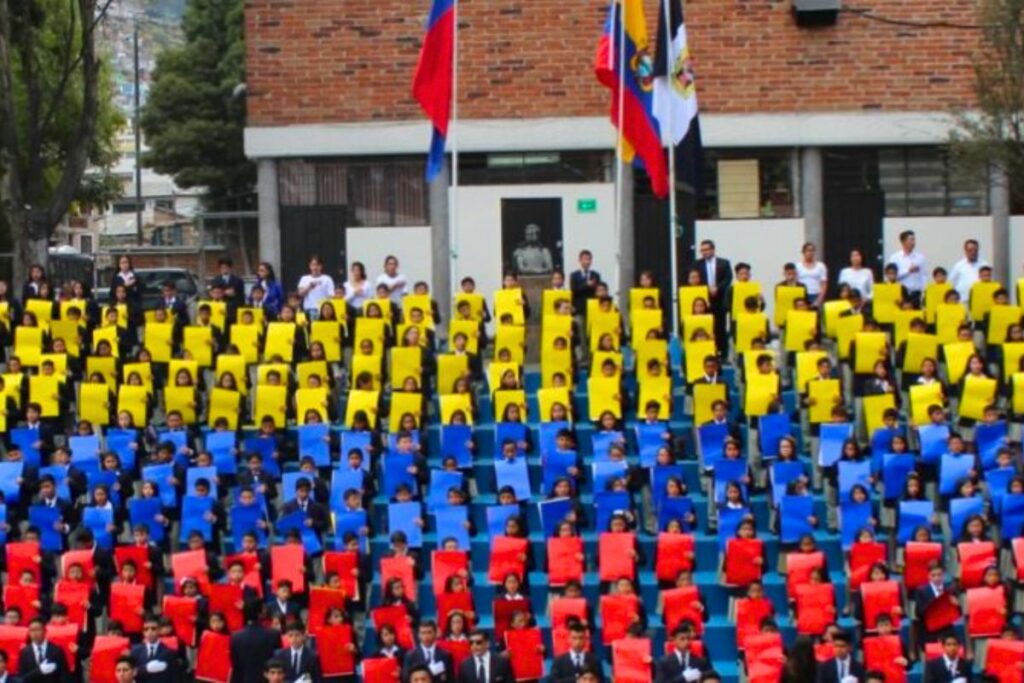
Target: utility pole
(138,141)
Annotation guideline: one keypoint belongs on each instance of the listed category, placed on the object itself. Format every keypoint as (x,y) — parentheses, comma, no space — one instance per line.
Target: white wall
(940,238)
(1016,248)
(764,244)
(373,245)
(479,229)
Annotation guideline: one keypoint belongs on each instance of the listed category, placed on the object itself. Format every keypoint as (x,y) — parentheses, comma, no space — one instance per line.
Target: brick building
(834,134)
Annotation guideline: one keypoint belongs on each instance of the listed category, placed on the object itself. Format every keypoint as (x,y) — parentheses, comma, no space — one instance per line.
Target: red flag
(432,82)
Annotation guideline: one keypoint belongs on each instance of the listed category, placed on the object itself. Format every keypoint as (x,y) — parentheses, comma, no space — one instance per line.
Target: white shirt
(914,282)
(861,279)
(812,277)
(321,291)
(396,284)
(709,271)
(486,658)
(951,664)
(355,294)
(963,274)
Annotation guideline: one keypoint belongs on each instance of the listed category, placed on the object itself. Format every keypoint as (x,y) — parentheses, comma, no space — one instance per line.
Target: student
(951,667)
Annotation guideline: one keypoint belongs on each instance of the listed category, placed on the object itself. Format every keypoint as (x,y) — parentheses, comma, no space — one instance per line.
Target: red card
(764,647)
(507,557)
(82,558)
(250,561)
(332,644)
(565,560)
(824,652)
(25,598)
(631,659)
(941,612)
(863,556)
(799,567)
(563,609)
(934,651)
(346,566)
(75,596)
(680,604)
(380,670)
(615,556)
(139,554)
(675,553)
(815,608)
(880,597)
(12,639)
(750,613)
(503,611)
(1018,556)
(398,618)
(975,558)
(399,568)
(320,601)
(458,649)
(22,557)
(916,558)
(767,671)
(986,611)
(741,569)
(191,564)
(618,612)
(447,563)
(288,562)
(526,653)
(455,602)
(880,653)
(126,605)
(106,650)
(65,636)
(227,598)
(211,664)
(1003,659)
(182,612)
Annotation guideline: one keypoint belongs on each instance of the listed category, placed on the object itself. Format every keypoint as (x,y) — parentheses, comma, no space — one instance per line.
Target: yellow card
(109,335)
(957,354)
(475,301)
(761,392)
(874,408)
(832,311)
(554,326)
(122,315)
(551,299)
(42,309)
(637,296)
(312,368)
(547,398)
(144,370)
(513,338)
(689,294)
(598,359)
(885,301)
(234,365)
(198,341)
(12,386)
(694,354)
(134,400)
(846,329)
(923,397)
(105,366)
(978,393)
(1012,353)
(982,298)
(703,396)
(371,365)
(509,301)
(825,395)
(272,402)
(801,327)
(450,368)
(94,403)
(1018,393)
(177,365)
(658,390)
(452,403)
(182,399)
(692,323)
(1000,318)
(919,347)
(158,338)
(604,397)
(467,327)
(871,348)
(901,325)
(283,370)
(28,345)
(224,403)
(362,401)
(807,367)
(329,334)
(280,341)
(60,364)
(246,339)
(750,326)
(406,362)
(372,329)
(948,318)
(643,321)
(218,313)
(554,362)
(45,390)
(648,350)
(311,398)
(70,332)
(244,312)
(785,296)
(741,291)
(602,323)
(507,397)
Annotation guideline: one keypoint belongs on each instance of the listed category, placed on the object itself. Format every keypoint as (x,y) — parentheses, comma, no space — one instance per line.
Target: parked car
(153,279)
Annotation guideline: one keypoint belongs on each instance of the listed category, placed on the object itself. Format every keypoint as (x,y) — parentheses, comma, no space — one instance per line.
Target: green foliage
(193,121)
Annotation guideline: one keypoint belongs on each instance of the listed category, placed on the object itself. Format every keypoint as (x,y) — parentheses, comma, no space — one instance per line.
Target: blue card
(852,473)
(712,438)
(1012,517)
(3,520)
(97,520)
(60,478)
(853,517)
(830,442)
(26,439)
(660,476)
(605,472)
(497,516)
(313,441)
(10,473)
(455,441)
(84,446)
(290,481)
(896,467)
(43,518)
(245,518)
(516,431)
(87,463)
(159,475)
(450,521)
(548,437)
(989,438)
(606,504)
(602,441)
(952,470)
(913,514)
(350,521)
(782,473)
(222,446)
(403,517)
(998,481)
(728,522)
(649,440)
(265,446)
(121,442)
(793,514)
(194,474)
(770,430)
(555,466)
(960,509)
(144,511)
(193,509)
(343,480)
(933,442)
(351,440)
(553,512)
(514,473)
(105,478)
(678,508)
(441,481)
(297,520)
(396,473)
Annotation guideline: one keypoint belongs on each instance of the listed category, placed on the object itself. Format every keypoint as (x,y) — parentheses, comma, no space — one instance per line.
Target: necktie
(576,661)
(39,654)
(296,655)
(481,670)
(152,651)
(842,669)
(430,655)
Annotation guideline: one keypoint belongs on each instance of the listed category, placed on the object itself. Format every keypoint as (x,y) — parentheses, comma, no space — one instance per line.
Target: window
(922,181)
(377,193)
(85,244)
(776,169)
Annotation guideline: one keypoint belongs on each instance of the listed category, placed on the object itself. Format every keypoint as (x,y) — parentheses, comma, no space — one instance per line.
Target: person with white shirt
(569,666)
(301,662)
(680,664)
(911,267)
(482,666)
(357,286)
(951,667)
(393,280)
(857,276)
(315,288)
(428,654)
(812,274)
(842,667)
(964,272)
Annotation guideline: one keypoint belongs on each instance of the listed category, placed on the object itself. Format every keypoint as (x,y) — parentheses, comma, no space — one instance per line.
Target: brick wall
(315,61)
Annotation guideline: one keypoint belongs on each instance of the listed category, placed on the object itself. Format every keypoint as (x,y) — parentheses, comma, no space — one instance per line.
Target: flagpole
(453,135)
(620,54)
(672,208)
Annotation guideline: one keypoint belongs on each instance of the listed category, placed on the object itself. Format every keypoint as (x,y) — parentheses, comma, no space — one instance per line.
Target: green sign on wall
(586,206)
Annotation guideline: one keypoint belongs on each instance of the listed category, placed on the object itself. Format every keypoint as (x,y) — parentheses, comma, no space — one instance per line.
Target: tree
(54,118)
(194,118)
(993,135)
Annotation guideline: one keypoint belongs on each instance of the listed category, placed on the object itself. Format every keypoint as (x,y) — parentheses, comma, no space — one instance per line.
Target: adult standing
(428,654)
(716,273)
(567,667)
(841,667)
(155,662)
(483,666)
(911,266)
(857,276)
(273,295)
(126,276)
(393,280)
(234,288)
(315,287)
(583,282)
(950,666)
(812,274)
(680,664)
(34,284)
(251,647)
(964,272)
(41,661)
(357,286)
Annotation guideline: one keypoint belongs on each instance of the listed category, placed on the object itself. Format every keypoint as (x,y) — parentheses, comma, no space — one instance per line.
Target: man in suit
(251,647)
(316,514)
(283,605)
(438,662)
(716,273)
(234,288)
(583,283)
(680,665)
(842,667)
(570,667)
(300,659)
(41,661)
(176,307)
(928,596)
(483,666)
(154,661)
(951,667)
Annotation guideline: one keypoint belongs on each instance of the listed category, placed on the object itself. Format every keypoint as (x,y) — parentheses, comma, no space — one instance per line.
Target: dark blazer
(416,657)
(233,282)
(582,290)
(139,655)
(29,671)
(314,511)
(563,671)
(828,671)
(723,276)
(309,663)
(250,649)
(670,670)
(935,671)
(500,670)
(291,612)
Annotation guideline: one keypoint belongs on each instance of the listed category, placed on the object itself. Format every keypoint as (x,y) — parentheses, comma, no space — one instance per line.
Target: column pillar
(999,205)
(440,242)
(812,196)
(270,213)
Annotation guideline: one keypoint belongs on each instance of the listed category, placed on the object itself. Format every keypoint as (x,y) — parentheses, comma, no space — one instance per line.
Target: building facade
(833,134)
